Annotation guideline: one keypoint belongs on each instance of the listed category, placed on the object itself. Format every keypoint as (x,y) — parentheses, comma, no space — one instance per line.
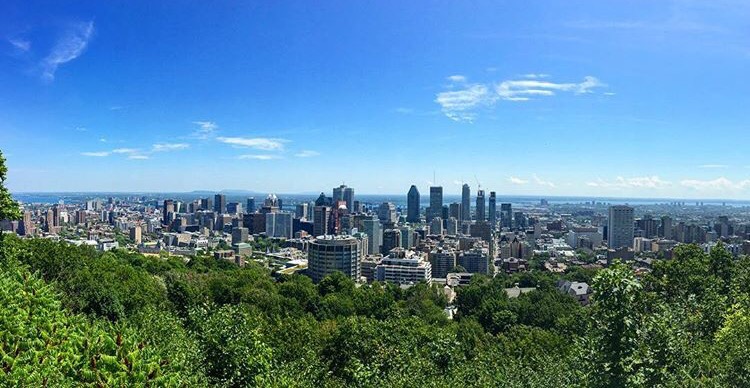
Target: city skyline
(559,99)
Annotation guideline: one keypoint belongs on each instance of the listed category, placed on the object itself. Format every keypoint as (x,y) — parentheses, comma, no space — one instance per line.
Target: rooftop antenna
(434,180)
(479,185)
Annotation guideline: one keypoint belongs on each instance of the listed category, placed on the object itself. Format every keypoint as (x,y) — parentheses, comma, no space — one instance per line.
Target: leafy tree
(9,209)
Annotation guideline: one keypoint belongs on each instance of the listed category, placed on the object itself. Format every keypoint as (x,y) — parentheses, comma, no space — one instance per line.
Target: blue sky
(600,98)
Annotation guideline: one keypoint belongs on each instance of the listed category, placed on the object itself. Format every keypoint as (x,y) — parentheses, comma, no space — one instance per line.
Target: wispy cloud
(165,147)
(98,154)
(20,44)
(404,111)
(524,90)
(124,151)
(456,78)
(205,129)
(259,156)
(542,182)
(517,181)
(138,157)
(713,166)
(650,182)
(70,46)
(307,154)
(721,184)
(258,143)
(462,101)
(460,105)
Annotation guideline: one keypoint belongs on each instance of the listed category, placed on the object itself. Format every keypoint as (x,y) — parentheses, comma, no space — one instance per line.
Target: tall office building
(279,224)
(436,203)
(321,215)
(374,231)
(166,210)
(454,210)
(665,230)
(436,226)
(387,213)
(234,208)
(135,234)
(620,226)
(301,210)
(346,194)
(220,203)
(412,204)
(250,208)
(506,215)
(493,209)
(481,216)
(391,239)
(240,235)
(465,203)
(328,254)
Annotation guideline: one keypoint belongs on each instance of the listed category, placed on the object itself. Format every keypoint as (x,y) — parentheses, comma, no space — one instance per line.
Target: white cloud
(536,75)
(139,157)
(459,105)
(20,44)
(259,156)
(98,154)
(307,154)
(517,181)
(124,151)
(258,143)
(713,166)
(164,147)
(68,48)
(542,182)
(462,104)
(205,129)
(718,184)
(649,182)
(456,78)
(81,129)
(523,90)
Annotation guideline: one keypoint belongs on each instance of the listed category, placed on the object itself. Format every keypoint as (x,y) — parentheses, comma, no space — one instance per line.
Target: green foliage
(9,208)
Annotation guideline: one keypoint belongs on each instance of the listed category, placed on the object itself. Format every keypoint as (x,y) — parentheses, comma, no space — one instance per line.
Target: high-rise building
(442,261)
(167,209)
(279,224)
(620,226)
(301,210)
(476,260)
(436,226)
(374,231)
(436,203)
(387,213)
(465,203)
(321,215)
(234,208)
(220,203)
(346,194)
(506,215)
(454,210)
(481,216)
(391,239)
(328,254)
(665,230)
(135,234)
(493,209)
(239,235)
(412,204)
(451,226)
(250,208)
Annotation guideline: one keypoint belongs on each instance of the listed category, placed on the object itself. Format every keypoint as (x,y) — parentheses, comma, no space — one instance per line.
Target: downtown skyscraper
(465,202)
(481,216)
(620,227)
(412,204)
(436,203)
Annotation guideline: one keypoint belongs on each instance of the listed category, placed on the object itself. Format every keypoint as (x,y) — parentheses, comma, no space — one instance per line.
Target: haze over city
(637,99)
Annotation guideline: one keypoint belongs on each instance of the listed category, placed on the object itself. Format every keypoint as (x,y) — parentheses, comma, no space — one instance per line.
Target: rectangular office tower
(620,227)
